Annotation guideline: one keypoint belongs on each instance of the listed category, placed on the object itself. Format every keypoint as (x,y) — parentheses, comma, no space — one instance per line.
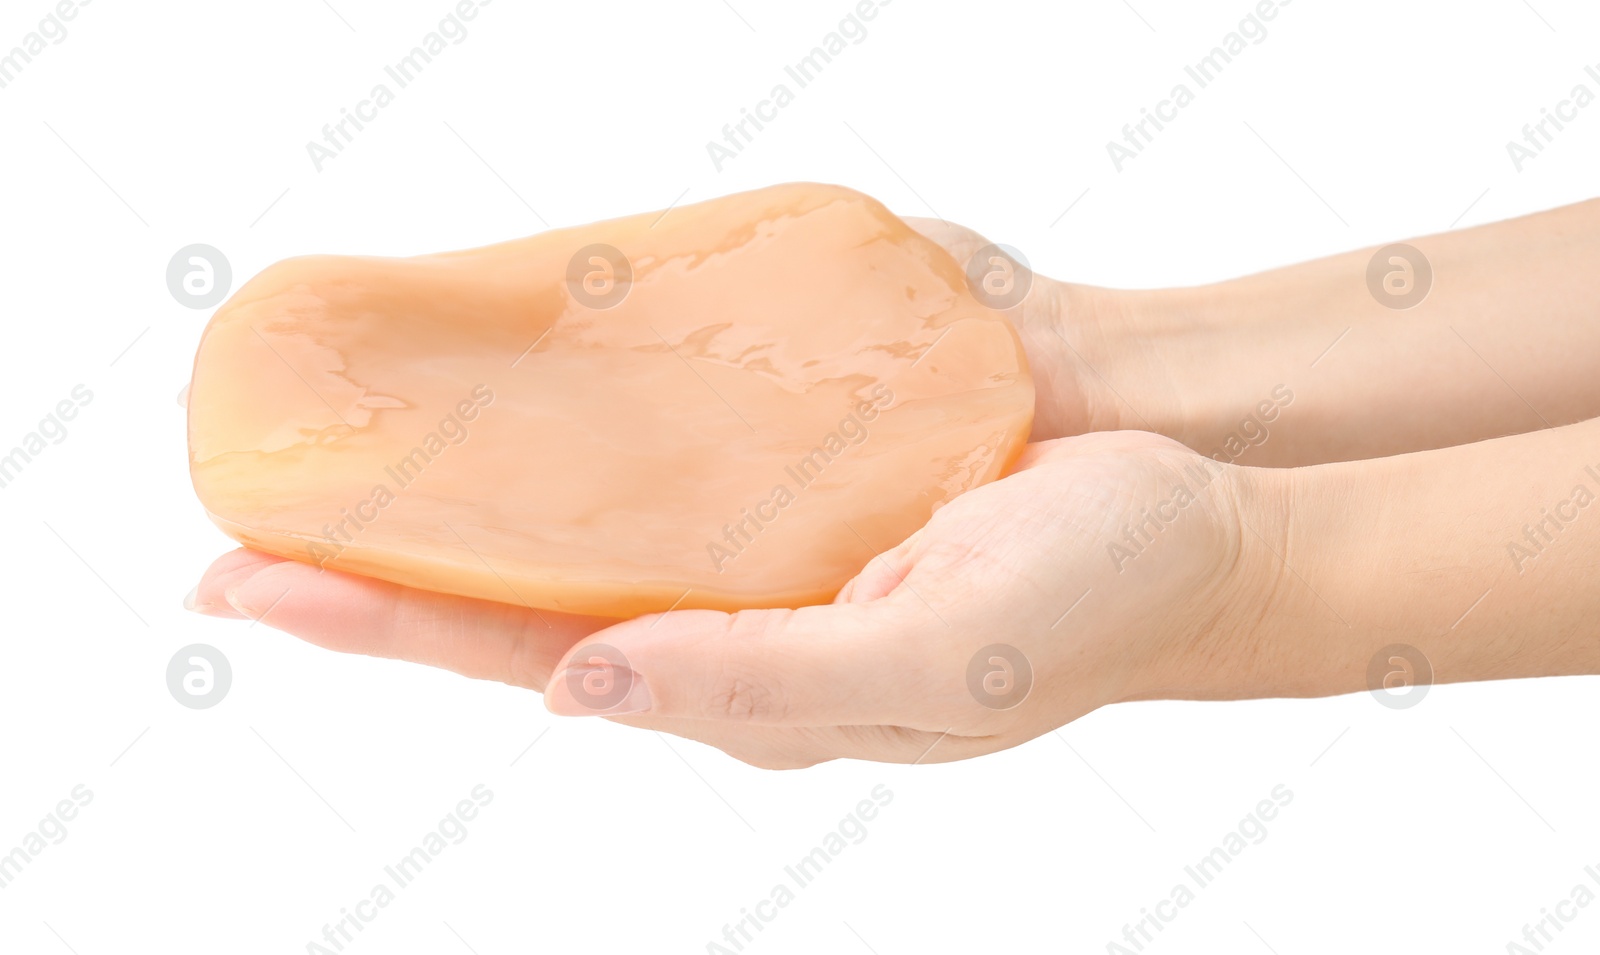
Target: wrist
(1262,628)
(1081,361)
(1176,362)
(1094,366)
(1219,640)
(1314,592)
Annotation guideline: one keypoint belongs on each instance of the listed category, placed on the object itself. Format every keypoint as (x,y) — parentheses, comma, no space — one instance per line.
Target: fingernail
(597,690)
(207,608)
(232,596)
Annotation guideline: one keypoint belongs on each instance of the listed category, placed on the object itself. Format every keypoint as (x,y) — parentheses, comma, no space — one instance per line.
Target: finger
(884,573)
(353,614)
(231,568)
(838,664)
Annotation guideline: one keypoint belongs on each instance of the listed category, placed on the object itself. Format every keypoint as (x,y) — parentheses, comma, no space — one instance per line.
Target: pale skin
(1426,486)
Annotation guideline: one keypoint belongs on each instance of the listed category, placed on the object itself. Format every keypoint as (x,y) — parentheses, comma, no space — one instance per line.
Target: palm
(1043,561)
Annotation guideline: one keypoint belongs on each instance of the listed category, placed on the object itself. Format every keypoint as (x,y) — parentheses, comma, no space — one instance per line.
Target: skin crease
(1379,551)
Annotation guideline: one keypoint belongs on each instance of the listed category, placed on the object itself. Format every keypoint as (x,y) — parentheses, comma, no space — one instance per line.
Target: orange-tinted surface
(792,380)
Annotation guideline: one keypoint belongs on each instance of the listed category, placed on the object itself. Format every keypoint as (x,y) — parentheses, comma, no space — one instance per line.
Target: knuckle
(743,699)
(740,692)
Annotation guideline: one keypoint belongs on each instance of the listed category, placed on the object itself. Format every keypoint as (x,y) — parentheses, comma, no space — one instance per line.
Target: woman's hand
(1408,347)
(1107,567)
(1119,565)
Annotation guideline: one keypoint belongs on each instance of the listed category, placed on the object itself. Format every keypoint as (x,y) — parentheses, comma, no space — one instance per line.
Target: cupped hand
(1106,567)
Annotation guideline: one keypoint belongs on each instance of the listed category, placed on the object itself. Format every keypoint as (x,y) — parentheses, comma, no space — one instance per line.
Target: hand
(1008,615)
(1078,340)
(1320,362)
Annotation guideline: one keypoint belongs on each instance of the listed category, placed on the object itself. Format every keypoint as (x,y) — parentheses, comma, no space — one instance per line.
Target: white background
(247,827)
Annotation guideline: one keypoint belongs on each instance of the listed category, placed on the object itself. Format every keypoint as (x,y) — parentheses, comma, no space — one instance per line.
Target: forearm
(1483,557)
(1506,341)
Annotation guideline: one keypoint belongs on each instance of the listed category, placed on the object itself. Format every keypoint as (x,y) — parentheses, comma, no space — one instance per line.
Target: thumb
(834,665)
